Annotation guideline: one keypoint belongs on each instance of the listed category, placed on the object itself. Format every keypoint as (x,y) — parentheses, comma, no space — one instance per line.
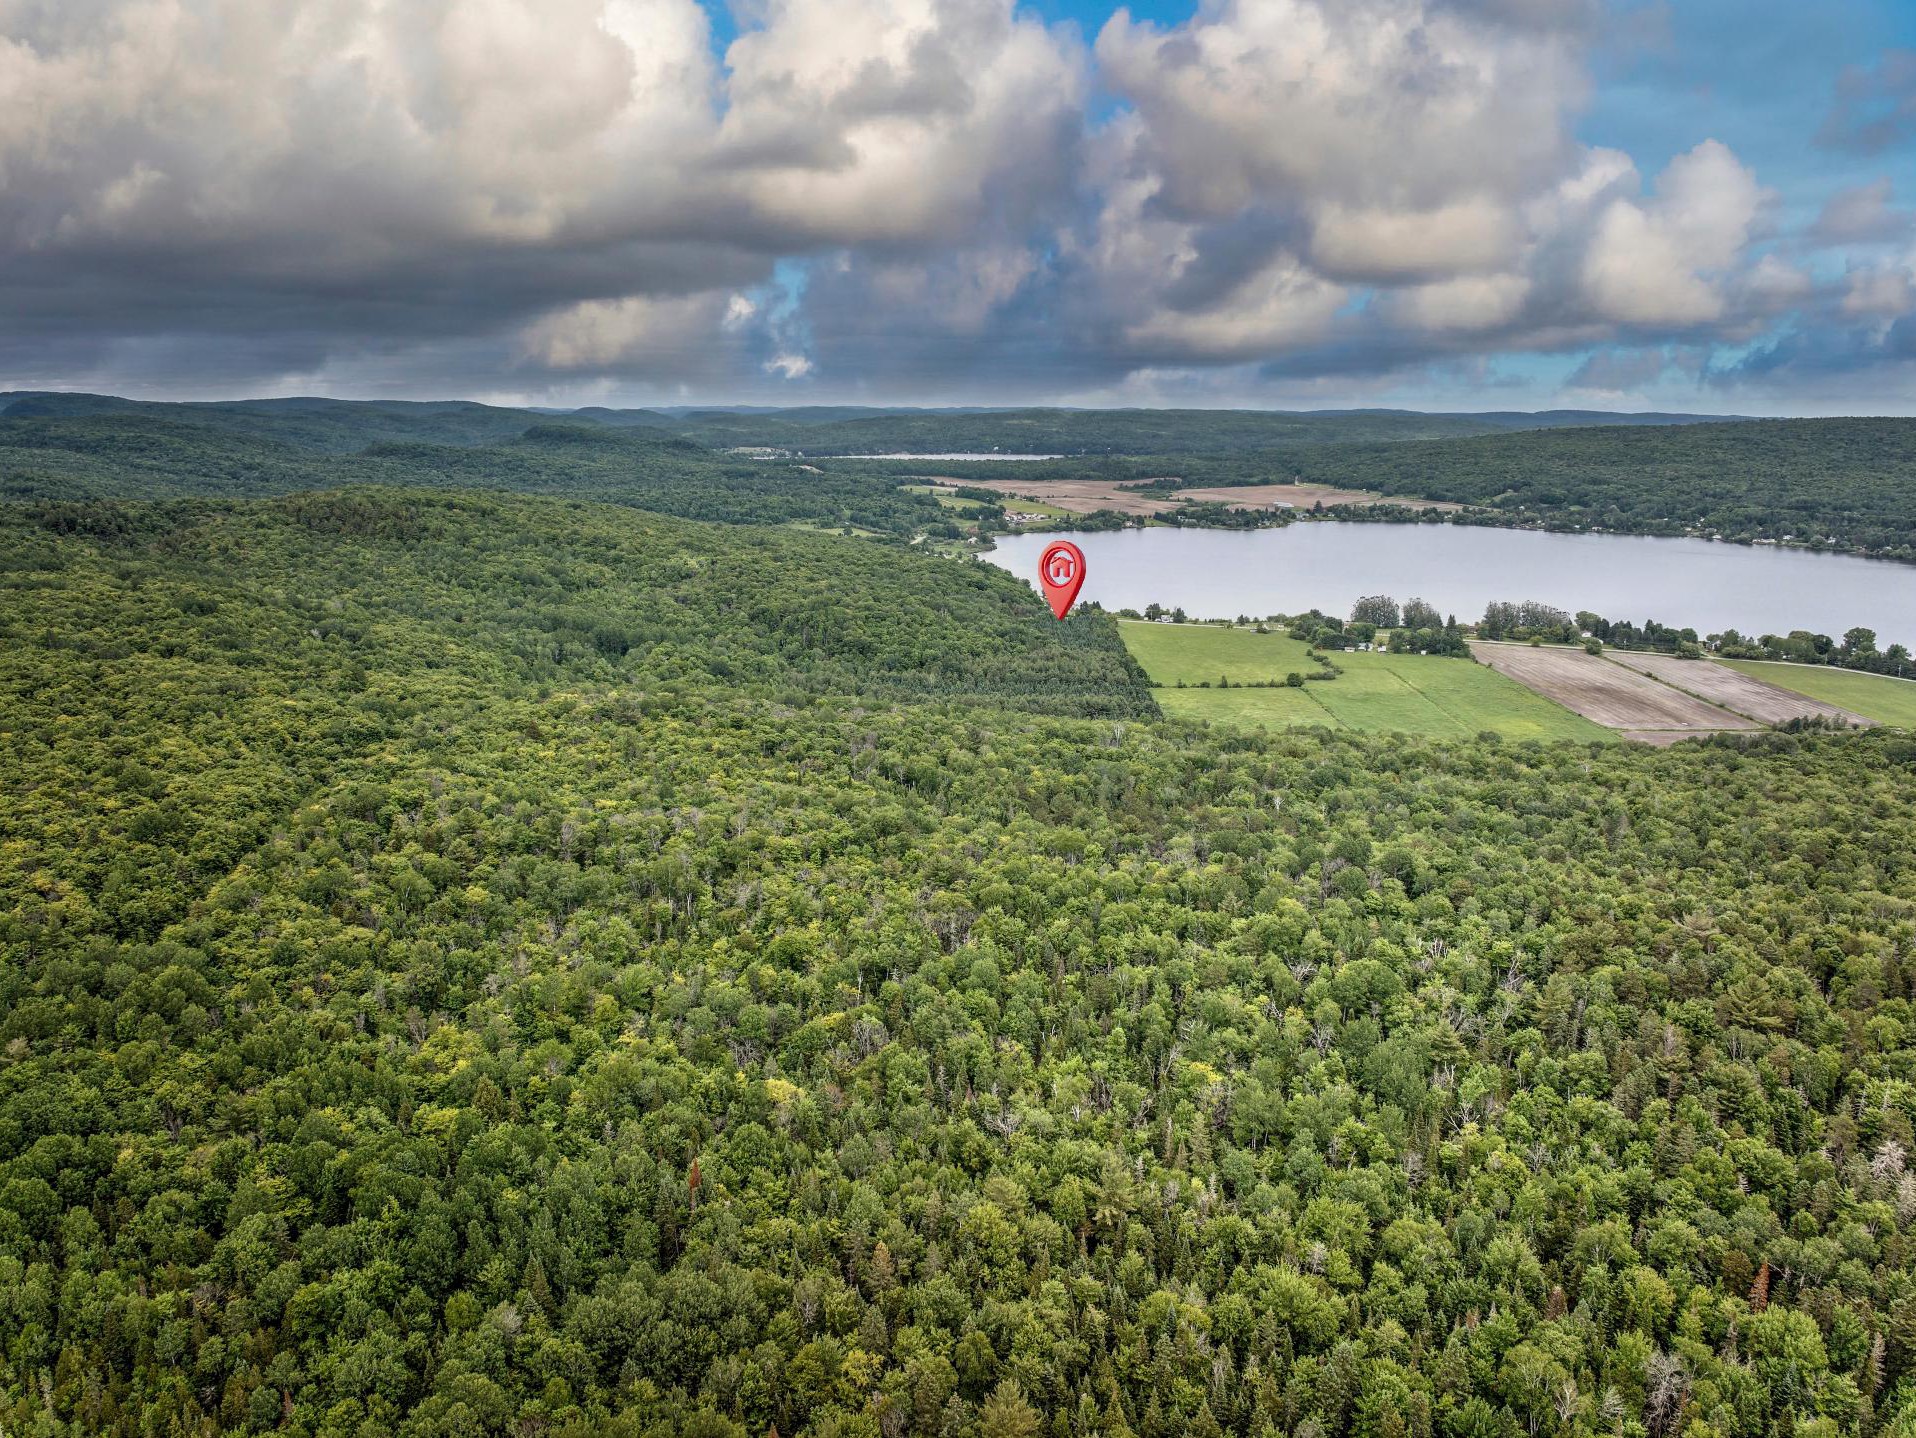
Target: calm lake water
(1220,574)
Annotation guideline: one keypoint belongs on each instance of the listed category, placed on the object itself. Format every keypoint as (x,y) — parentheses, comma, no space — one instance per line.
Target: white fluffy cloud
(1400,177)
(588,170)
(577,189)
(1392,106)
(1662,261)
(899,121)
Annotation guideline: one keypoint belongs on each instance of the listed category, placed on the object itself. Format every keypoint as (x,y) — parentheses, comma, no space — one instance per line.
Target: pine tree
(1006,1414)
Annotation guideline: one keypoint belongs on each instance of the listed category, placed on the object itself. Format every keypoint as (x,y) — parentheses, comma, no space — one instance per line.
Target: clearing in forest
(1088,496)
(1880,698)
(1075,496)
(1609,694)
(1302,496)
(1440,698)
(1732,688)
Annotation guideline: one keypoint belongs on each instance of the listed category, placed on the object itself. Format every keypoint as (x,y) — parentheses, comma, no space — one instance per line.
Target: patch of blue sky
(1762,84)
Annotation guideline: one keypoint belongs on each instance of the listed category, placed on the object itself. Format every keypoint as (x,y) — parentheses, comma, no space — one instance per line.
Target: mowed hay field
(1204,653)
(1609,694)
(1745,693)
(1376,693)
(1876,697)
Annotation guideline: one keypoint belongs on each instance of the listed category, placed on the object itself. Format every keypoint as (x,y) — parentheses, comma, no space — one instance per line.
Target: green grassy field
(1032,506)
(944,497)
(1378,693)
(1202,653)
(814,527)
(1874,696)
(1248,708)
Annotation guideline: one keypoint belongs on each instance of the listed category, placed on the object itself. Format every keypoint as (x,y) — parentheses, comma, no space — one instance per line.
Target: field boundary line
(1672,684)
(1455,718)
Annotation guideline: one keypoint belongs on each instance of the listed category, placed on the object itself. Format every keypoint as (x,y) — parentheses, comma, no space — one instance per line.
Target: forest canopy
(492,963)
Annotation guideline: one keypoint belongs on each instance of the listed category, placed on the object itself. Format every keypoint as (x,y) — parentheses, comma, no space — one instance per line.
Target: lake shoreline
(1685,581)
(1472,518)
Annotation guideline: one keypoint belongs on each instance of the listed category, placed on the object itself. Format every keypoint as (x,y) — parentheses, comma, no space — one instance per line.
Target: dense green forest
(325,424)
(1110,431)
(117,456)
(824,430)
(481,963)
(1847,483)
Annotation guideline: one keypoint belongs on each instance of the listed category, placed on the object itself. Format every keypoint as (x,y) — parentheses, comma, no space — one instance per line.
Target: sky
(1696,205)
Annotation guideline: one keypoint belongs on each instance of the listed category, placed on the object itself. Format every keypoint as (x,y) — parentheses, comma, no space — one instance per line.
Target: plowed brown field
(1085,496)
(1080,496)
(1609,694)
(1300,496)
(1744,693)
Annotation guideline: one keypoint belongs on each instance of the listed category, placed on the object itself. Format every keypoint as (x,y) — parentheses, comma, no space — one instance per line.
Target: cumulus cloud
(598,334)
(585,172)
(1861,214)
(1659,261)
(1884,291)
(902,121)
(1378,104)
(889,196)
(1379,182)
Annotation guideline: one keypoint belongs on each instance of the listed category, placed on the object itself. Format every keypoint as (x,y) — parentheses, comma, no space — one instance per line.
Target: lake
(1220,574)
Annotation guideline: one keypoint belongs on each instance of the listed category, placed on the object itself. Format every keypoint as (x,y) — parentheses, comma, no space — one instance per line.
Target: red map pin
(1061,571)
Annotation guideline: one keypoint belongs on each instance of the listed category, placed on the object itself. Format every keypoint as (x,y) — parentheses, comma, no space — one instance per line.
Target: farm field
(1086,496)
(1607,693)
(943,495)
(1376,693)
(1204,653)
(1877,697)
(1301,496)
(1281,708)
(1073,496)
(1747,694)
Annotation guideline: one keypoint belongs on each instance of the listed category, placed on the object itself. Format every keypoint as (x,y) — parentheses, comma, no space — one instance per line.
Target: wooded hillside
(479,963)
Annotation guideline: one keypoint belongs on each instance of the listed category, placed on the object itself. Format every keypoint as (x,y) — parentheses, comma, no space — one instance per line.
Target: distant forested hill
(1109,432)
(326,424)
(139,454)
(1847,482)
(345,425)
(1852,481)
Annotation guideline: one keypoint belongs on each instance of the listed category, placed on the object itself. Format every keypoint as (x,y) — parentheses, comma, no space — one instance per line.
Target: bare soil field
(1609,694)
(1300,496)
(1744,693)
(1085,496)
(1080,496)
